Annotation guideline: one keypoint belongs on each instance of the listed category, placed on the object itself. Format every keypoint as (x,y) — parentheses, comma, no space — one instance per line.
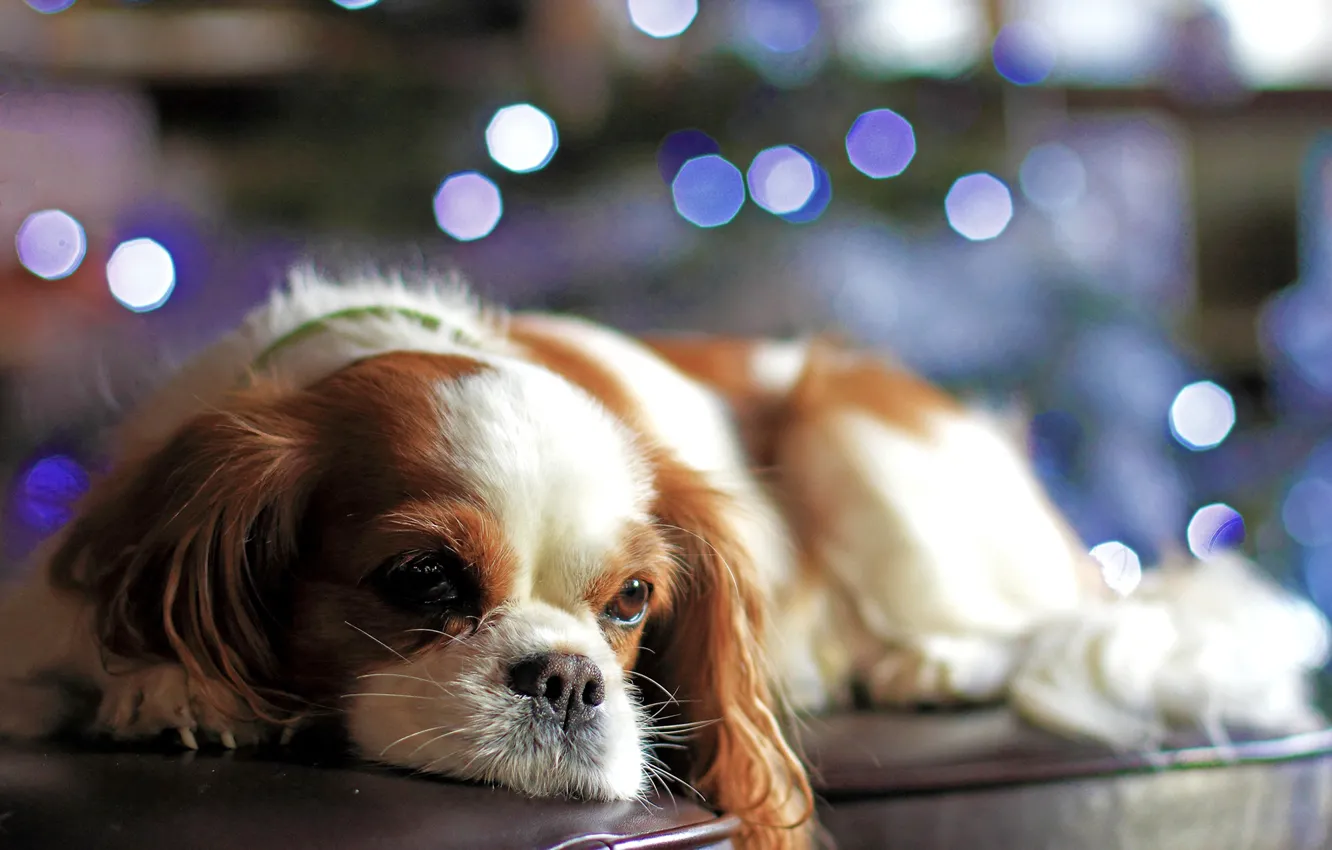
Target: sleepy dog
(510,547)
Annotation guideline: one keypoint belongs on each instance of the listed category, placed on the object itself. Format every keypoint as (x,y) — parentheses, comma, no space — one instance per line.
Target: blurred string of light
(51,244)
(1023,53)
(141,275)
(1214,529)
(1202,415)
(1121,568)
(880,143)
(468,206)
(1053,177)
(49,7)
(47,491)
(521,138)
(979,206)
(708,191)
(662,18)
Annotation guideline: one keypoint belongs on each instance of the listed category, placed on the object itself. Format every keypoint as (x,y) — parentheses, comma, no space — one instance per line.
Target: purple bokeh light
(781,179)
(1023,54)
(881,143)
(680,147)
(708,191)
(818,201)
(782,26)
(141,274)
(1053,177)
(1202,416)
(1305,511)
(522,138)
(468,206)
(662,18)
(1214,529)
(979,206)
(49,7)
(47,491)
(1297,327)
(185,238)
(51,244)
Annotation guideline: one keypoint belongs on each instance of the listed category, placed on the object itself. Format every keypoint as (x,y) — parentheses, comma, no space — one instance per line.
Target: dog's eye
(629,605)
(426,580)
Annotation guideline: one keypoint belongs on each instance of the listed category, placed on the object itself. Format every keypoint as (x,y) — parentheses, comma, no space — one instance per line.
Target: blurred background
(1114,215)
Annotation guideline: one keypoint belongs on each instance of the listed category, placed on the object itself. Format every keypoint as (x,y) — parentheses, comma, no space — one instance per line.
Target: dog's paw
(146,702)
(941,671)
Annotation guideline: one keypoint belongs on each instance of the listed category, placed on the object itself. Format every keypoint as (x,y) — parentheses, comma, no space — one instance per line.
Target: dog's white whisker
(409,736)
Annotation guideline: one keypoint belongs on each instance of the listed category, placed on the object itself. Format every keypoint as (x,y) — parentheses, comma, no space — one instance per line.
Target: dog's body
(477,537)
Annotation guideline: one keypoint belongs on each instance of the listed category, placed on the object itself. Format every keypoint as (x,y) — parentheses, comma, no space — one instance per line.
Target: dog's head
(468,559)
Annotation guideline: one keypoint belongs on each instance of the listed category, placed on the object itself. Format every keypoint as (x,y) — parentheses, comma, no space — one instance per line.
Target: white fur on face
(451,712)
(559,473)
(565,484)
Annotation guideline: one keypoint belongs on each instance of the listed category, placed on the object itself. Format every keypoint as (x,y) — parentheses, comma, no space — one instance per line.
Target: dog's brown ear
(183,551)
(709,657)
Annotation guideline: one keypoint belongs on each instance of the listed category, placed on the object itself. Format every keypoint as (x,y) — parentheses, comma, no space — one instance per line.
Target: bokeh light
(680,147)
(522,138)
(782,26)
(141,275)
(818,200)
(1295,325)
(47,491)
(1202,415)
(1053,177)
(662,18)
(781,179)
(51,244)
(1213,529)
(1023,54)
(936,38)
(708,191)
(468,206)
(1306,512)
(881,143)
(49,7)
(1121,568)
(979,206)
(354,5)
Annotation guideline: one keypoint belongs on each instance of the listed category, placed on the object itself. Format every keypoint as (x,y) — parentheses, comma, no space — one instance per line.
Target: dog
(529,550)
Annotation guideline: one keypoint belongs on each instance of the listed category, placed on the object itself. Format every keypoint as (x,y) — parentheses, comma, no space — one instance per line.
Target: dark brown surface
(978,779)
(1245,807)
(878,753)
(983,779)
(58,799)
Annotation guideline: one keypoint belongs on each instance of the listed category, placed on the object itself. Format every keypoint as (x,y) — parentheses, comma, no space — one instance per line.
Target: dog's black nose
(565,688)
